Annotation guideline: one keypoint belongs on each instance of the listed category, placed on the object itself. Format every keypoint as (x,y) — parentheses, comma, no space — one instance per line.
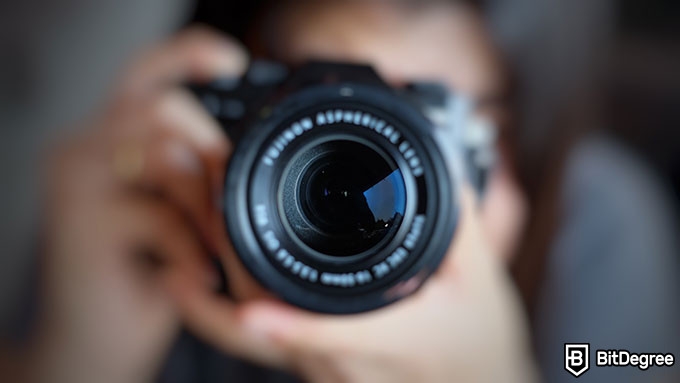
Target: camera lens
(351,198)
(339,201)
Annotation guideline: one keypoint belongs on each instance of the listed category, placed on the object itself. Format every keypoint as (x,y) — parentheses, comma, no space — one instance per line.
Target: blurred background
(600,68)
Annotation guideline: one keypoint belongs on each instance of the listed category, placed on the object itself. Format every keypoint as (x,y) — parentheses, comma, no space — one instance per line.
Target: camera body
(341,194)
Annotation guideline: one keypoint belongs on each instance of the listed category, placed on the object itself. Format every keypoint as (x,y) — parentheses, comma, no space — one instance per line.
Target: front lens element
(352,198)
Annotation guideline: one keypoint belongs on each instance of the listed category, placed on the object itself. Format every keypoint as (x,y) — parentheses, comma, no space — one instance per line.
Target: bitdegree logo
(577,358)
(643,361)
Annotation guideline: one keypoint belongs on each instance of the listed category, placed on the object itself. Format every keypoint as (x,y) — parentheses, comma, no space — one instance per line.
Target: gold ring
(128,162)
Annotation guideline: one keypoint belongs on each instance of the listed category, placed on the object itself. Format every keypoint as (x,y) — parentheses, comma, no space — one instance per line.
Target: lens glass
(352,197)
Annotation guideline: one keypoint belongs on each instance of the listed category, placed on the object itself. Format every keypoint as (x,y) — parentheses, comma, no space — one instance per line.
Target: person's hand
(130,205)
(464,325)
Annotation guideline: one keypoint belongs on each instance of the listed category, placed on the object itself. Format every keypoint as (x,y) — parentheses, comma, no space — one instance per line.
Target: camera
(341,193)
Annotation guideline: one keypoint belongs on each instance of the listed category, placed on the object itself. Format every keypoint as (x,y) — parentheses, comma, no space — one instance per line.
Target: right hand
(132,210)
(465,324)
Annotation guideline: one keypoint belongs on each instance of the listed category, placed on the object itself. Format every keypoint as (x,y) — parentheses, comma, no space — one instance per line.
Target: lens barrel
(339,200)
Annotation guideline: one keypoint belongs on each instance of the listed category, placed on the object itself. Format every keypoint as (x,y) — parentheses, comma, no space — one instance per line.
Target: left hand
(130,206)
(465,325)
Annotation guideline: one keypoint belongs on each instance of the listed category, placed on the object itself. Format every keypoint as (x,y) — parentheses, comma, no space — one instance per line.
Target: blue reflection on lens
(387,197)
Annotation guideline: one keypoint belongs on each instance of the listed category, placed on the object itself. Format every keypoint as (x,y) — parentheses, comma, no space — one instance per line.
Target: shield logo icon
(576,358)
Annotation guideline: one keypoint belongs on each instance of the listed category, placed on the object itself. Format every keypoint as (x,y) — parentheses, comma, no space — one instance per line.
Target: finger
(469,255)
(300,333)
(174,168)
(179,113)
(183,155)
(219,321)
(196,54)
(162,239)
(294,330)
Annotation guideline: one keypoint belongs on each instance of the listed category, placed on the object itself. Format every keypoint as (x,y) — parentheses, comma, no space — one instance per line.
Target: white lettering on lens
(270,240)
(320,119)
(348,117)
(287,136)
(381,269)
(357,118)
(261,215)
(379,126)
(297,129)
(404,146)
(414,233)
(306,123)
(296,267)
(388,131)
(397,257)
(354,117)
(366,120)
(346,279)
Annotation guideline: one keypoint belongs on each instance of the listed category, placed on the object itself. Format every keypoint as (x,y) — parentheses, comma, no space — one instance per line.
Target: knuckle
(162,108)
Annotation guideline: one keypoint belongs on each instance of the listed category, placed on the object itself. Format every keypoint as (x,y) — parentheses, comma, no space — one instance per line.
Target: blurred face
(436,40)
(442,41)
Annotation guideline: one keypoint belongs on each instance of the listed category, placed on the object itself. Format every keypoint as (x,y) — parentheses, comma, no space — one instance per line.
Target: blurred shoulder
(608,189)
(612,275)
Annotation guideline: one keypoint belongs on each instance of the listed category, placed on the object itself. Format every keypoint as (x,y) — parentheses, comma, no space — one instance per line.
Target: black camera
(340,196)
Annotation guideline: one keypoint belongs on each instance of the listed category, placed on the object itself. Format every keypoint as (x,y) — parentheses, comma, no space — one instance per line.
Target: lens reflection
(387,197)
(352,197)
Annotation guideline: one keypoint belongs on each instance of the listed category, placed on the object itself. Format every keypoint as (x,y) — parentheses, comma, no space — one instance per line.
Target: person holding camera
(136,221)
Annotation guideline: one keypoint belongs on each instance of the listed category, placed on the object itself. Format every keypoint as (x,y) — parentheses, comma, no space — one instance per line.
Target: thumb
(297,331)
